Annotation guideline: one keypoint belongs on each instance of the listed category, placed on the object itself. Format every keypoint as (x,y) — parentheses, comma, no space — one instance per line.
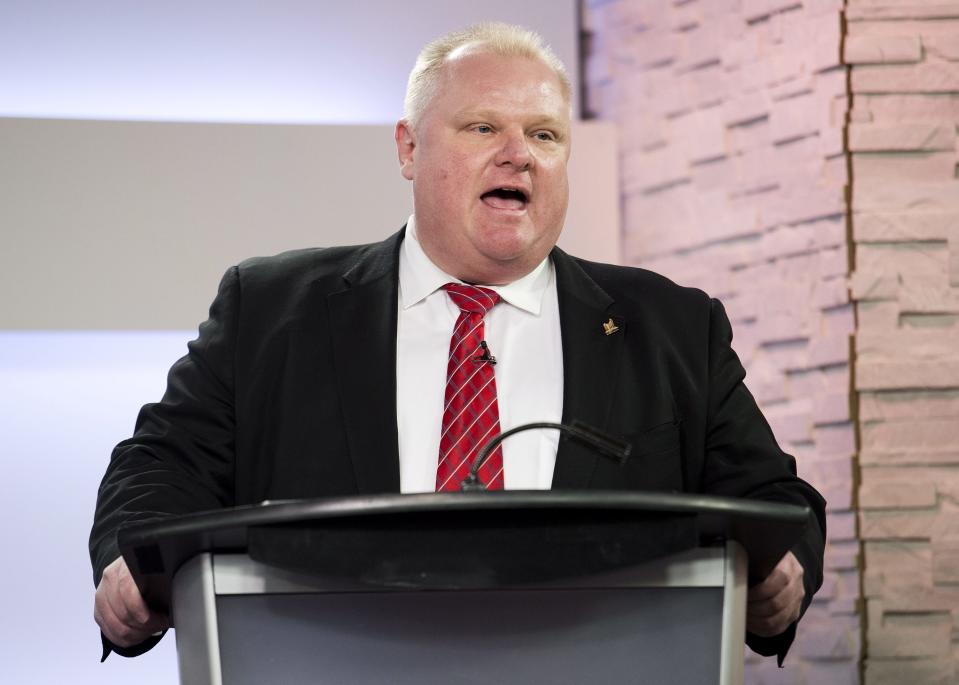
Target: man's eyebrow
(490,115)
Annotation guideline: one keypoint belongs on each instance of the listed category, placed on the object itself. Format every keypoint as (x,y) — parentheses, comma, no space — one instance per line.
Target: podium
(499,587)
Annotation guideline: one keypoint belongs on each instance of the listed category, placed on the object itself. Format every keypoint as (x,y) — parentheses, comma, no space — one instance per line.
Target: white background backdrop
(67,396)
(307,61)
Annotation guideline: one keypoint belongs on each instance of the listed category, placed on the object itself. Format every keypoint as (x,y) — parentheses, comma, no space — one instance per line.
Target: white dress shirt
(522,332)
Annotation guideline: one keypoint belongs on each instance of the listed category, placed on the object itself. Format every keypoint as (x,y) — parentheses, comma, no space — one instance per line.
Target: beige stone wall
(903,142)
(731,116)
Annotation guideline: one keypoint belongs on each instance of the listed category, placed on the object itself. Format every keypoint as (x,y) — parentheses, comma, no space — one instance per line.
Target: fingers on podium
(120,610)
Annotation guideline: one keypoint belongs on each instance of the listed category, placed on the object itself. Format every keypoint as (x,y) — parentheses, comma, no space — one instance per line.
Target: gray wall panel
(129,225)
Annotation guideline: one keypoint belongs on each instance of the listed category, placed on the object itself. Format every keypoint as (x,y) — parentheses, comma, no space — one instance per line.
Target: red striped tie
(470,413)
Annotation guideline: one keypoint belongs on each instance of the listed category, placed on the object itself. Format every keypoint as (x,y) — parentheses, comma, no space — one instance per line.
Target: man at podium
(384,368)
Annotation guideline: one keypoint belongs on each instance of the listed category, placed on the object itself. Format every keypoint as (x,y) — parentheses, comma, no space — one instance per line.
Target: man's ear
(405,145)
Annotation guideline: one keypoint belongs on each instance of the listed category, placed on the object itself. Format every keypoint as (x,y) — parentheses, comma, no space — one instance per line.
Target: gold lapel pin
(610,327)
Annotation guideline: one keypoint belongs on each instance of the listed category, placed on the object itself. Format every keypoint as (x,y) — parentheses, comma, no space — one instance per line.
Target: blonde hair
(503,39)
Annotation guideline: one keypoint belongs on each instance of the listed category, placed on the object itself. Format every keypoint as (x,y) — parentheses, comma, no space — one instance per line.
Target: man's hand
(774,603)
(120,611)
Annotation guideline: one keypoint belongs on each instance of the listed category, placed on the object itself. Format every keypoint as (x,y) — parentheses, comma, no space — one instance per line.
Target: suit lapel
(591,363)
(363,330)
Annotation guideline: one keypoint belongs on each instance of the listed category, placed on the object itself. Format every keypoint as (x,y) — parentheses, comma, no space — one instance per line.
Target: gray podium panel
(545,636)
(678,619)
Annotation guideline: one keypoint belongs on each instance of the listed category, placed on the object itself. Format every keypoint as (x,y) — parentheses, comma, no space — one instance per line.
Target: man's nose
(515,152)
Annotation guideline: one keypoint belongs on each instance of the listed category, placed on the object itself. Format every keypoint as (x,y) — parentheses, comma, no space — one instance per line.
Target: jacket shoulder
(329,268)
(306,264)
(642,287)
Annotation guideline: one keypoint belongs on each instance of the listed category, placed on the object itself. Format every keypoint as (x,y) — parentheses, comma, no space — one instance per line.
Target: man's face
(488,164)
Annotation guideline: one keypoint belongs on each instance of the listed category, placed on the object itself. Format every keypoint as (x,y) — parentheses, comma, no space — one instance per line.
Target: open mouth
(506,198)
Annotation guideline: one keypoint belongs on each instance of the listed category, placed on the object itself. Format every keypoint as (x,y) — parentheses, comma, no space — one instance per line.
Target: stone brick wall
(731,116)
(904,59)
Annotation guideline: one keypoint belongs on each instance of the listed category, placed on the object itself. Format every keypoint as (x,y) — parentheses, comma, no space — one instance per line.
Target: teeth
(510,190)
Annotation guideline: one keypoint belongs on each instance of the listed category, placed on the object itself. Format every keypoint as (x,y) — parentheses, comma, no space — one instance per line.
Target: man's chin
(505,248)
(501,266)
(504,240)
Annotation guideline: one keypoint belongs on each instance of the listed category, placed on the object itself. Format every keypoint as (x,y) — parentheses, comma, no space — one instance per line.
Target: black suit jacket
(289,392)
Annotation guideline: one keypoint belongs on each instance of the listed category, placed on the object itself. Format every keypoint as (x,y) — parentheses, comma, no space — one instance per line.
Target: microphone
(608,446)
(486,356)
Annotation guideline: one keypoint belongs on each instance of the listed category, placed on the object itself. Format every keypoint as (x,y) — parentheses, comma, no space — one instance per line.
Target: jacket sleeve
(743,459)
(180,458)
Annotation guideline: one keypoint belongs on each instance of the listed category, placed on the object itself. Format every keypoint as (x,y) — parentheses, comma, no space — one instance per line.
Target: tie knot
(471,298)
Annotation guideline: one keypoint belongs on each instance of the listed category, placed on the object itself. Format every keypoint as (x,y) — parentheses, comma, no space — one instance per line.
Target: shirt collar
(420,278)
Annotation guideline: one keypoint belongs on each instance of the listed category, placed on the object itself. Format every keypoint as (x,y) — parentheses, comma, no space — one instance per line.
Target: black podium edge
(155,550)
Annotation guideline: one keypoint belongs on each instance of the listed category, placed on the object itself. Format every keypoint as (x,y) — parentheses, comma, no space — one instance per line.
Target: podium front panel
(556,636)
(660,622)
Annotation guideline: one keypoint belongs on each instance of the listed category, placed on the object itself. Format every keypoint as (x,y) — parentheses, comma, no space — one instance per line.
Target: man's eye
(544,135)
(483,128)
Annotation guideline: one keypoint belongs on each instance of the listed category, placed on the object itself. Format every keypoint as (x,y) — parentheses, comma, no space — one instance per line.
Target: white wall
(65,398)
(95,216)
(312,61)
(118,226)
